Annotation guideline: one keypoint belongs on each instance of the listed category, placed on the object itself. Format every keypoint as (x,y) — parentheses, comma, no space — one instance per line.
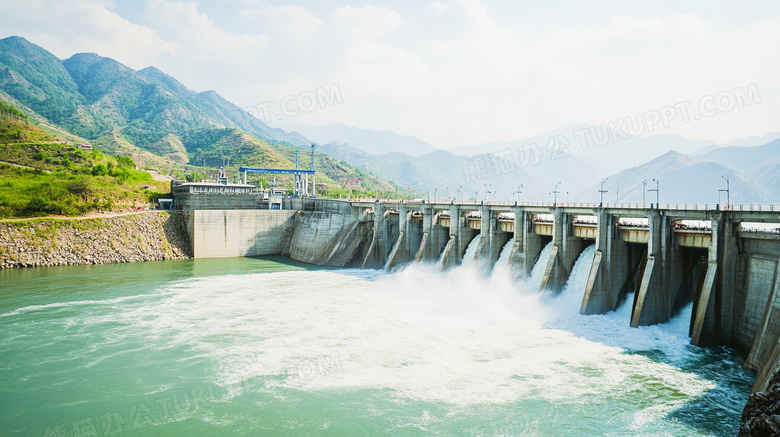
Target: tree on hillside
(10,112)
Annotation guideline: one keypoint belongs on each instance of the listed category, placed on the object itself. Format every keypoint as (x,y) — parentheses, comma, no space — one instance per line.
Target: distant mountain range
(149,114)
(753,174)
(580,156)
(375,142)
(601,148)
(681,180)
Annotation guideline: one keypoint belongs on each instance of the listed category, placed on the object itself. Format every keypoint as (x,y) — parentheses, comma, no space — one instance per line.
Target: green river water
(270,347)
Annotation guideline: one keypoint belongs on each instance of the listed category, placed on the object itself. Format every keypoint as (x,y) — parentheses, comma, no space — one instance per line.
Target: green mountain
(41,82)
(148,113)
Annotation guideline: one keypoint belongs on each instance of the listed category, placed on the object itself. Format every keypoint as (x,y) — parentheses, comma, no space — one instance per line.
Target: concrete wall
(234,233)
(324,239)
(319,238)
(756,318)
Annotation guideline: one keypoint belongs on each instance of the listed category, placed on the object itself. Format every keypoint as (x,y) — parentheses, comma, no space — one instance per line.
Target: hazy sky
(452,72)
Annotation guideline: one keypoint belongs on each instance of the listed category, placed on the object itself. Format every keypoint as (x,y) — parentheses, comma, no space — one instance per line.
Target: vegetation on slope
(43,177)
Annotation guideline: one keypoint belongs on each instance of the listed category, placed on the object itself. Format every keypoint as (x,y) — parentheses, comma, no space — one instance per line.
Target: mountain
(149,115)
(753,141)
(375,142)
(743,159)
(602,149)
(40,81)
(442,174)
(230,114)
(94,97)
(681,180)
(759,164)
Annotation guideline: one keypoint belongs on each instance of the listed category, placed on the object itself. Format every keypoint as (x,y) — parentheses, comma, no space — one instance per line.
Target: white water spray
(471,251)
(570,298)
(506,252)
(443,253)
(535,280)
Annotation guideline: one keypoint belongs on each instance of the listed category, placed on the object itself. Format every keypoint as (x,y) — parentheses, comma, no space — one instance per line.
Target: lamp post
(602,191)
(555,194)
(657,194)
(518,192)
(727,190)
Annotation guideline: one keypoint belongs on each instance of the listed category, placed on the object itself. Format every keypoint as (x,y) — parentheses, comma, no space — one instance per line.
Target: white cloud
(369,22)
(450,71)
(435,8)
(291,21)
(70,26)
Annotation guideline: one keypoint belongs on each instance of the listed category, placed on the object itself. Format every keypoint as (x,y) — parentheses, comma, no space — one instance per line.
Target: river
(271,347)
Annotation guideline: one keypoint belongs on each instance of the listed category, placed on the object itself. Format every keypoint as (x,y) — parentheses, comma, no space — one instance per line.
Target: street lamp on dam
(602,191)
(727,190)
(518,192)
(657,195)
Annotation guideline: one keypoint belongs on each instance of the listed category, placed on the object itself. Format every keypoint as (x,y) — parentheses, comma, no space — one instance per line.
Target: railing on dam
(637,206)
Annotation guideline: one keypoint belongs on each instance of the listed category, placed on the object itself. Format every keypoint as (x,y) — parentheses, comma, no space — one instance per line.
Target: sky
(451,72)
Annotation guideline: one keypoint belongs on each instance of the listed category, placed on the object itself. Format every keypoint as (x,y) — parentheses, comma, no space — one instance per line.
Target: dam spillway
(728,275)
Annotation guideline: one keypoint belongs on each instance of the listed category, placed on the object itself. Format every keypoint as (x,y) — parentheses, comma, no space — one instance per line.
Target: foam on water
(457,338)
(453,337)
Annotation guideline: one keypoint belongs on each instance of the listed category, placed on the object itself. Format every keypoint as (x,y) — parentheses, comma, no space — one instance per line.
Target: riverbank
(147,236)
(761,416)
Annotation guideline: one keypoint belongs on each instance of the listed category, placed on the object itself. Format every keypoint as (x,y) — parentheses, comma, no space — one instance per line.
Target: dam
(654,256)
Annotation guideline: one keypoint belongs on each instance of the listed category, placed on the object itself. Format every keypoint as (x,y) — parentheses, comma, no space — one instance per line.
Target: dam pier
(665,256)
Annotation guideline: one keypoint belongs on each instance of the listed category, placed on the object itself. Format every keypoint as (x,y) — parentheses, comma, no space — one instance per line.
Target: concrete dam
(730,274)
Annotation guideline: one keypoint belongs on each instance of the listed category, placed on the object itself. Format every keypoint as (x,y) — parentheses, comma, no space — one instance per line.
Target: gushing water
(506,253)
(502,268)
(537,273)
(570,298)
(443,252)
(471,251)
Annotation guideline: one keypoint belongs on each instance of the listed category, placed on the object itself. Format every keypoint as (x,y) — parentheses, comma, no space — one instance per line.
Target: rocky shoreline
(761,416)
(147,236)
